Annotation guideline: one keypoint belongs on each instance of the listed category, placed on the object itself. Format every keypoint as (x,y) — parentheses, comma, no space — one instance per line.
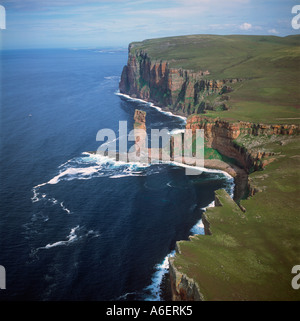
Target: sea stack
(140,133)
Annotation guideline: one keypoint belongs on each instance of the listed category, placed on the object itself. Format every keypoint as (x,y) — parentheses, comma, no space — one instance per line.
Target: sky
(115,23)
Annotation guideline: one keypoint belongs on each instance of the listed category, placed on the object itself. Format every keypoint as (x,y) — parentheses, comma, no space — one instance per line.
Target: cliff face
(183,288)
(221,135)
(178,89)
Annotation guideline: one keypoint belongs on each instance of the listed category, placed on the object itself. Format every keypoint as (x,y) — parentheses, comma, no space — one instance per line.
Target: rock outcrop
(221,135)
(183,287)
(183,91)
(140,119)
(140,134)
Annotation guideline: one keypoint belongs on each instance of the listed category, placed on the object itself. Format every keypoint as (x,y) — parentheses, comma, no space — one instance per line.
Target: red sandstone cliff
(178,89)
(220,135)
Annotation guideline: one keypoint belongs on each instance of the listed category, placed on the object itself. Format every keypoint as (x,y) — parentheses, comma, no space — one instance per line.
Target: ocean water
(73,225)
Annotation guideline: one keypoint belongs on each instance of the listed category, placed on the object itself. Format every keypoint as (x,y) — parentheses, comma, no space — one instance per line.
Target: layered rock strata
(183,91)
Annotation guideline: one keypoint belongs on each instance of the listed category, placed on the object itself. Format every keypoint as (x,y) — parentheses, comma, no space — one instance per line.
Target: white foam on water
(194,168)
(86,167)
(35,197)
(75,173)
(64,208)
(177,131)
(124,296)
(169,184)
(198,228)
(112,77)
(127,175)
(53,200)
(230,187)
(67,174)
(212,204)
(155,286)
(72,237)
(230,179)
(64,164)
(151,105)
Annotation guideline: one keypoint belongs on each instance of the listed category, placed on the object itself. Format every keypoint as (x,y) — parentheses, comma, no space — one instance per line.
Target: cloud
(246,26)
(182,9)
(61,3)
(50,3)
(218,26)
(273,31)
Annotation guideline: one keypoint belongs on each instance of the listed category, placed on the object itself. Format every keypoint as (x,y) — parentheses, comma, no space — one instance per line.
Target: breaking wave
(86,167)
(198,228)
(73,236)
(155,287)
(151,105)
(76,234)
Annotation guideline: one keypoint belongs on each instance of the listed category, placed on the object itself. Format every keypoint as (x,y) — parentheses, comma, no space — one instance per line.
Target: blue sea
(78,226)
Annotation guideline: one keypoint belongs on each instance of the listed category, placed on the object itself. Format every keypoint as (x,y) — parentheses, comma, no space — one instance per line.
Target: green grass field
(270,66)
(250,255)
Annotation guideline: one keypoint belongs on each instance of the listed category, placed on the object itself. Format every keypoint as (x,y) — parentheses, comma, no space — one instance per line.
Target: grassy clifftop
(250,255)
(270,65)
